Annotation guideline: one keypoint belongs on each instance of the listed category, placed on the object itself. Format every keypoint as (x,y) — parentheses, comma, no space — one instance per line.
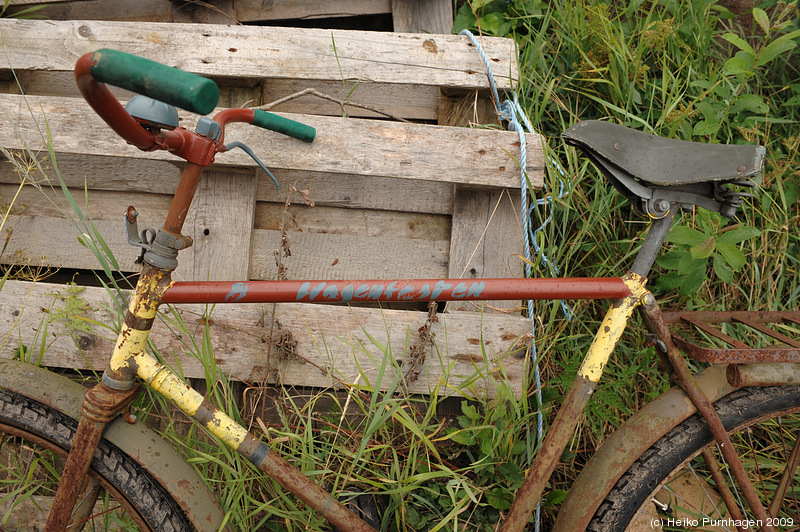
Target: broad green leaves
(688,262)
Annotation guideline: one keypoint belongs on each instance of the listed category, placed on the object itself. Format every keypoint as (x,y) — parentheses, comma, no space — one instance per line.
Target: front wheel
(669,486)
(120,495)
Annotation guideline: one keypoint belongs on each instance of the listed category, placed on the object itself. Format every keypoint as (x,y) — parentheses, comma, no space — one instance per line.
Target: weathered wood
(220,11)
(478,157)
(334,345)
(338,256)
(255,52)
(220,220)
(412,102)
(325,189)
(486,240)
(320,219)
(256,10)
(422,16)
(329,247)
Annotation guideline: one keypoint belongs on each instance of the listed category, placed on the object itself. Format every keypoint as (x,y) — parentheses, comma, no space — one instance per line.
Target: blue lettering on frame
(460,290)
(238,291)
(347,293)
(406,292)
(331,292)
(476,289)
(375,292)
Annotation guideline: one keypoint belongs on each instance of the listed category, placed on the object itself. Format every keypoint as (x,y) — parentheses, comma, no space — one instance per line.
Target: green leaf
(740,234)
(671,259)
(469,410)
(693,280)
(464,437)
(732,255)
(779,46)
(741,63)
(704,250)
(723,271)
(749,102)
(555,497)
(705,128)
(680,234)
(500,498)
(512,473)
(739,43)
(761,18)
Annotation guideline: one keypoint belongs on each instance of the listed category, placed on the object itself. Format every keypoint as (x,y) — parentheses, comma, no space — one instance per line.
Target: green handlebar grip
(166,84)
(284,125)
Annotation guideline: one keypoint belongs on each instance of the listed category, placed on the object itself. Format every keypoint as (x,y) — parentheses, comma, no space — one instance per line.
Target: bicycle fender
(136,440)
(627,443)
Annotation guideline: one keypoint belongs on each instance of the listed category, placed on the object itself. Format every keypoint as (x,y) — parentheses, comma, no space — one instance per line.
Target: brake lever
(248,151)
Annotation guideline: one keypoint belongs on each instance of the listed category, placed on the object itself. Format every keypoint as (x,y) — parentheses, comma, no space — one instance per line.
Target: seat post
(652,243)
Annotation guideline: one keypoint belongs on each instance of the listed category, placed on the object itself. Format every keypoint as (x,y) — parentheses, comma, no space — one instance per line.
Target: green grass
(682,69)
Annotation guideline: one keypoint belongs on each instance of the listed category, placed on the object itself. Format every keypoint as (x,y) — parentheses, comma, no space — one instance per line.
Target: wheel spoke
(786,478)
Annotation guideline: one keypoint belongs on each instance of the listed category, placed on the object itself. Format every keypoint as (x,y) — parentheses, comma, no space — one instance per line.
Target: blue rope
(512,112)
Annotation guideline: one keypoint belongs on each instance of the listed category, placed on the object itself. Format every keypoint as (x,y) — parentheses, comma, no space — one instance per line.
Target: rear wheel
(34,442)
(670,488)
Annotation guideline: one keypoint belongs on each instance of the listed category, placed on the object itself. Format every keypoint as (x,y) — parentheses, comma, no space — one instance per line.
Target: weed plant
(682,69)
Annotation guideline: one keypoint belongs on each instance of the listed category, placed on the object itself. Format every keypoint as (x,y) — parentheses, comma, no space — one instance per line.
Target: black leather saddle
(655,172)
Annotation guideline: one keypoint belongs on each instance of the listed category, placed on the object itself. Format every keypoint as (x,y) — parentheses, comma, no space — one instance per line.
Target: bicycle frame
(130,360)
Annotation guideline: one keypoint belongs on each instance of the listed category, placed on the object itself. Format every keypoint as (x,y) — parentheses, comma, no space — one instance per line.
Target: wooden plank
(332,343)
(412,102)
(422,16)
(325,189)
(220,220)
(338,256)
(256,10)
(256,52)
(486,240)
(221,11)
(320,219)
(393,245)
(478,157)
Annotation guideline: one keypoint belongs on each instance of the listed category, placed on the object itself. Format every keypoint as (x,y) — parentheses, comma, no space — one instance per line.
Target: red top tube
(396,290)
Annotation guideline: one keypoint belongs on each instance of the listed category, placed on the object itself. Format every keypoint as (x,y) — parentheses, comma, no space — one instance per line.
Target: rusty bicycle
(706,425)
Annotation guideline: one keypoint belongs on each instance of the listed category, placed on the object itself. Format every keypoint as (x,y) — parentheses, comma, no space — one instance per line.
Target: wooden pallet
(392,199)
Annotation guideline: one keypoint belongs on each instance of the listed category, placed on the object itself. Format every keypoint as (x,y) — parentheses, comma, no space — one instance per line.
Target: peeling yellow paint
(611,329)
(162,380)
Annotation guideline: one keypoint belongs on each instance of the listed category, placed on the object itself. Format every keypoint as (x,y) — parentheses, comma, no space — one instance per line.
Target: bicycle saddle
(654,172)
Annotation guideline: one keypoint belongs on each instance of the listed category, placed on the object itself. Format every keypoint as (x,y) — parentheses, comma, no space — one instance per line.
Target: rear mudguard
(627,443)
(136,440)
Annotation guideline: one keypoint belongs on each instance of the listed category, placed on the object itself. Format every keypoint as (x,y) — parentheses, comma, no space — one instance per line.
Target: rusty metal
(101,404)
(737,351)
(396,290)
(786,478)
(584,384)
(317,498)
(182,199)
(155,454)
(787,374)
(657,324)
(721,484)
(627,443)
(549,454)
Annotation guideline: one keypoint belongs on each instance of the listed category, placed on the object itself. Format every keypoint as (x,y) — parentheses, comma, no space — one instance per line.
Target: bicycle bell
(152,114)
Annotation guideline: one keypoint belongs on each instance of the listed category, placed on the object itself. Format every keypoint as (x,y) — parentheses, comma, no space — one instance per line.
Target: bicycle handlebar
(157,81)
(172,86)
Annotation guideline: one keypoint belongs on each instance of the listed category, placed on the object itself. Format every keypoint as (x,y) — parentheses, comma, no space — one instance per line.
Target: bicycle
(624,481)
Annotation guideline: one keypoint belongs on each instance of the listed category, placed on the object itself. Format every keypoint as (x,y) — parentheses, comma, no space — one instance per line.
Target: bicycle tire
(27,424)
(632,496)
